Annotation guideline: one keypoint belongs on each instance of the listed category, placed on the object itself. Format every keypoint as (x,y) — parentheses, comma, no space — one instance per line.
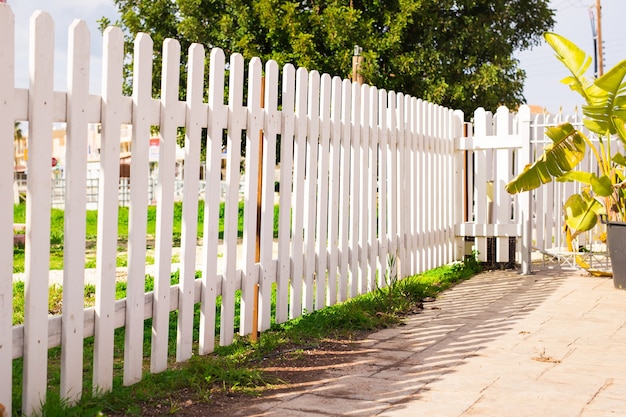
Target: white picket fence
(365,175)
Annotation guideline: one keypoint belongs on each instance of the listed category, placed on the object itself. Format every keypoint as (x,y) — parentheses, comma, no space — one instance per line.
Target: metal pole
(599,36)
(259,199)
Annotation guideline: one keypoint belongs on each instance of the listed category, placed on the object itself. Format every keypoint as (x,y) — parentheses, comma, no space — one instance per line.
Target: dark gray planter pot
(616,240)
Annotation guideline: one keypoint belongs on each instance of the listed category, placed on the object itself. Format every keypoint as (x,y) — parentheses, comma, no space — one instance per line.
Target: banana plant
(604,114)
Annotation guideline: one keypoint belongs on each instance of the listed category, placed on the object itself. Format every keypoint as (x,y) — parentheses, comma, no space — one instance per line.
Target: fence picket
(321,277)
(218,121)
(502,199)
(310,208)
(355,155)
(106,250)
(344,189)
(392,184)
(138,214)
(406,175)
(299,167)
(236,124)
(38,206)
(438,181)
(7,129)
(286,185)
(363,169)
(75,205)
(372,184)
(459,187)
(420,200)
(196,119)
(172,116)
(480,182)
(401,178)
(382,186)
(271,128)
(334,185)
(254,125)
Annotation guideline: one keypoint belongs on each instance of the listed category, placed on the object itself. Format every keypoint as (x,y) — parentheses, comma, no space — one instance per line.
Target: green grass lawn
(57,233)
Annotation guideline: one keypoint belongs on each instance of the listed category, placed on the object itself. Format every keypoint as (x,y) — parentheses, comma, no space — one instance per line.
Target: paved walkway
(499,345)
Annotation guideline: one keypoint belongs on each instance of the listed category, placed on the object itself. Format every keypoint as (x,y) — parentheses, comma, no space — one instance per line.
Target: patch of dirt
(289,369)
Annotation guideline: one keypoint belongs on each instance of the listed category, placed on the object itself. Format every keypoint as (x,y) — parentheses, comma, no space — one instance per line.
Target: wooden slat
(382,186)
(254,125)
(196,119)
(236,123)
(312,144)
(502,199)
(138,213)
(106,250)
(38,212)
(321,277)
(75,206)
(334,180)
(459,186)
(401,179)
(7,117)
(344,190)
(480,182)
(172,116)
(363,169)
(392,196)
(295,305)
(421,186)
(285,202)
(410,232)
(372,185)
(218,121)
(355,157)
(271,129)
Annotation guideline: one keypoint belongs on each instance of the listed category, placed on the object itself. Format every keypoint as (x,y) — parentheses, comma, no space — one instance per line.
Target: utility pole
(357,61)
(600,58)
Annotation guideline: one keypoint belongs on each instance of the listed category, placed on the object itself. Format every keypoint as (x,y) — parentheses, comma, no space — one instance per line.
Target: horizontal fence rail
(370,186)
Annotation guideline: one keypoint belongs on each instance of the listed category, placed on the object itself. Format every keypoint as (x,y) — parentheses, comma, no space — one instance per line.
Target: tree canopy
(457,53)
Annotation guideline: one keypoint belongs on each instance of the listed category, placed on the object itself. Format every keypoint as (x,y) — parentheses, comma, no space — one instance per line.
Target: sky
(543,70)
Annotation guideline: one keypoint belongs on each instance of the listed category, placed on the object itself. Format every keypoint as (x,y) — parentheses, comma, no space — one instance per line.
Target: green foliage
(452,53)
(604,115)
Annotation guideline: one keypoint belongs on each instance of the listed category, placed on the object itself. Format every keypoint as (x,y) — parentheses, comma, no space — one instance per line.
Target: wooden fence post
(524,199)
(259,201)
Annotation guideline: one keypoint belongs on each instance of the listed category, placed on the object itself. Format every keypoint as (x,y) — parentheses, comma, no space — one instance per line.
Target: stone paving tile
(331,406)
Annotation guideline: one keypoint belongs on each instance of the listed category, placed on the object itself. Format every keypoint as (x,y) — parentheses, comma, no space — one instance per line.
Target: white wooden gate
(497,147)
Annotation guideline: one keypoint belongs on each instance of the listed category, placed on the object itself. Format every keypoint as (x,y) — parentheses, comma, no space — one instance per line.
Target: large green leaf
(560,157)
(581,212)
(601,186)
(574,58)
(606,107)
(619,159)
